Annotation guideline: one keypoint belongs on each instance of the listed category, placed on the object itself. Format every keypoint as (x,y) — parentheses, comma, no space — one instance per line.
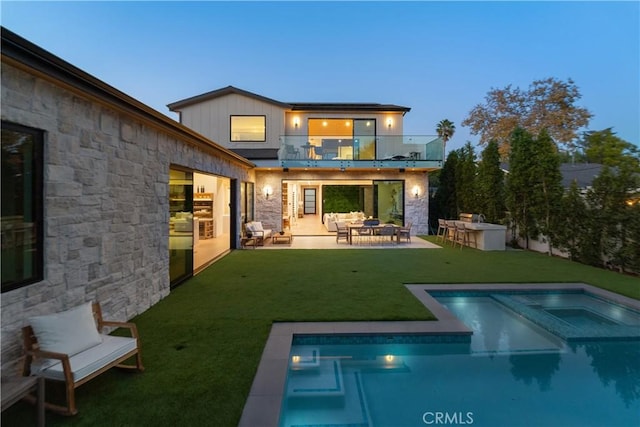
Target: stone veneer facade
(269,211)
(106,212)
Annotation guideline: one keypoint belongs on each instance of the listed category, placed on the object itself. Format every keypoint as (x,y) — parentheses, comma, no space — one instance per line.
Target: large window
(21,219)
(248,129)
(351,139)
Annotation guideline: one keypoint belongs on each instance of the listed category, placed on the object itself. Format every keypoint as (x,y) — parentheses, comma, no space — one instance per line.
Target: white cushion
(93,359)
(249,227)
(68,332)
(257,226)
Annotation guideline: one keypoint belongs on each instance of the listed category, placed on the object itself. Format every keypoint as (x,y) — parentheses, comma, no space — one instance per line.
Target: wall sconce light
(267,191)
(296,122)
(415,191)
(389,122)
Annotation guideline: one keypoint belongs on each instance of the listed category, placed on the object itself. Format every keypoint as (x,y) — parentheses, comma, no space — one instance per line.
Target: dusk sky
(439,58)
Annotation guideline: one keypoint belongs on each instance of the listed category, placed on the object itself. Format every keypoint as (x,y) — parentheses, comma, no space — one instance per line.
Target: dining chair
(386,234)
(342,231)
(405,232)
(365,234)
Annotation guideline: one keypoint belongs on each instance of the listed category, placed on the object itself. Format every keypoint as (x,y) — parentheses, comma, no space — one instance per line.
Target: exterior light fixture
(415,191)
(267,191)
(296,122)
(389,122)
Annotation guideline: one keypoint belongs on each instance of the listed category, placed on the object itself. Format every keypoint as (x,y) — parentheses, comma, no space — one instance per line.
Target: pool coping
(262,408)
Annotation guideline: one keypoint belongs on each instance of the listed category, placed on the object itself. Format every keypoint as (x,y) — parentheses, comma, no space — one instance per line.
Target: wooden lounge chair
(80,364)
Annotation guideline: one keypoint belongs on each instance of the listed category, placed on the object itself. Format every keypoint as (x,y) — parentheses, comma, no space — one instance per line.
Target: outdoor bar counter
(490,237)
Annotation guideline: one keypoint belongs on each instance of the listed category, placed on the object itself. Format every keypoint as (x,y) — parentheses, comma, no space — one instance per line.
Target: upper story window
(248,128)
(21,211)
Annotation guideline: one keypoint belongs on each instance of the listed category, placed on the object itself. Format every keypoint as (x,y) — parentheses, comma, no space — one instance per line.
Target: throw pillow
(68,332)
(257,226)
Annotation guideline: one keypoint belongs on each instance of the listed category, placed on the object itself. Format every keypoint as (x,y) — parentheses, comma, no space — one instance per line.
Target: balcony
(365,152)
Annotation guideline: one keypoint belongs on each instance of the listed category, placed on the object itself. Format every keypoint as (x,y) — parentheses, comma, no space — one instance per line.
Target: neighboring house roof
(582,173)
(293,106)
(25,55)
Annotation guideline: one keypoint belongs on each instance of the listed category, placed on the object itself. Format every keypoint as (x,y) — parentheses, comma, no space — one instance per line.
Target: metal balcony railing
(323,151)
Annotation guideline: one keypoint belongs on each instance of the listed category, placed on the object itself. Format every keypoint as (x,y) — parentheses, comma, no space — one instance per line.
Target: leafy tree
(547,104)
(546,185)
(490,184)
(445,129)
(466,179)
(604,201)
(519,191)
(606,148)
(571,222)
(446,197)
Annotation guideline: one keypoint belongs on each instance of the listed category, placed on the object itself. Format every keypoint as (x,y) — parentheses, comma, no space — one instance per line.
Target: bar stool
(450,232)
(442,230)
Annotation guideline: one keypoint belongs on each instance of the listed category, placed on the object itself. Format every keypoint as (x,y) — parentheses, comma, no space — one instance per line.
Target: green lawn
(202,344)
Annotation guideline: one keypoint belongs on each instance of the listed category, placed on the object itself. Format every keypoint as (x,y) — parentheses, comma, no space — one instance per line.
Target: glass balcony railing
(415,148)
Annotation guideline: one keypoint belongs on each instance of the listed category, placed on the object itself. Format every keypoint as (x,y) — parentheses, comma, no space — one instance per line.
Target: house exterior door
(309,201)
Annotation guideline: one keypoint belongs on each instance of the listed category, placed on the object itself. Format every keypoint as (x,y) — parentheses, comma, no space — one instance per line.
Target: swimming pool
(513,370)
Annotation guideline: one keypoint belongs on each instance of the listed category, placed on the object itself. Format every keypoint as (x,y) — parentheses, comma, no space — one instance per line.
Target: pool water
(512,371)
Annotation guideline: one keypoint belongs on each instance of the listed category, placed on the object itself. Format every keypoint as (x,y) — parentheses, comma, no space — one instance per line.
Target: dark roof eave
(26,55)
(293,106)
(322,106)
(176,106)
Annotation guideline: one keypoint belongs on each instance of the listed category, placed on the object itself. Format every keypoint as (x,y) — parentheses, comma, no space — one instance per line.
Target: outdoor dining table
(373,228)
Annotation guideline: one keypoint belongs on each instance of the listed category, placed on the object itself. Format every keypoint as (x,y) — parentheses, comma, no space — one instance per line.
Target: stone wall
(106,213)
(269,211)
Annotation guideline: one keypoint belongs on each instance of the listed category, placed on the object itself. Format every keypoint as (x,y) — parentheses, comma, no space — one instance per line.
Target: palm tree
(445,130)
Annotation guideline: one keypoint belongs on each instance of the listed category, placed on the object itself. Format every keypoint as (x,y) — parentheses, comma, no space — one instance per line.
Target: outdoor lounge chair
(70,347)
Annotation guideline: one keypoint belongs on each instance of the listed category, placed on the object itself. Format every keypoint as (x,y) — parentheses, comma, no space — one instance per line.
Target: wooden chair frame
(33,352)
(441,233)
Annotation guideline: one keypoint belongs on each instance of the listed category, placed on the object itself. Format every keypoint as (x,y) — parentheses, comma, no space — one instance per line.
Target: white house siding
(106,213)
(211,118)
(269,211)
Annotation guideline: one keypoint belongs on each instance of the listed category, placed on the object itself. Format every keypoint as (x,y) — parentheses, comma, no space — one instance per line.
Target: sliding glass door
(364,137)
(388,201)
(180,226)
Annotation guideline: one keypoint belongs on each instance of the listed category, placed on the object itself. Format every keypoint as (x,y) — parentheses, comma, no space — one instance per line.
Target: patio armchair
(257,231)
(71,347)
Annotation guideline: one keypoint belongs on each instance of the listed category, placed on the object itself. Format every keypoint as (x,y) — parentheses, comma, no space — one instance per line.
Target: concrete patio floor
(329,242)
